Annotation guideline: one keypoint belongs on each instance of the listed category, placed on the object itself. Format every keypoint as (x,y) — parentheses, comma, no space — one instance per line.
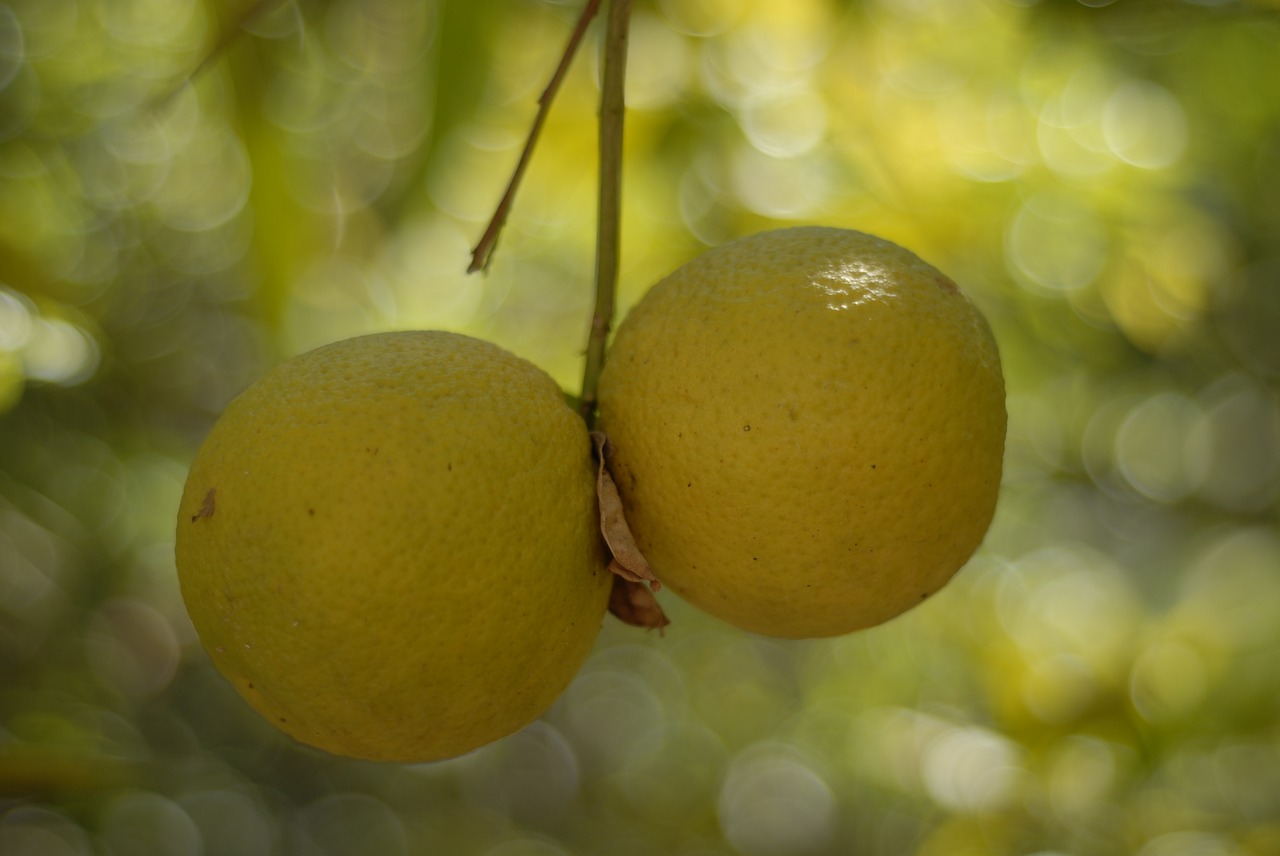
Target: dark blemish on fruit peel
(206,508)
(946,284)
(311,512)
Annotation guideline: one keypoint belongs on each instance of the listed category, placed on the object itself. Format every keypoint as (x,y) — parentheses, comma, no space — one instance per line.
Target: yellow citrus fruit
(390,545)
(808,427)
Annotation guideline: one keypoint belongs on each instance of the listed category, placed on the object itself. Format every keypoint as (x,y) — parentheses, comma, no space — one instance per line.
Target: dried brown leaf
(632,600)
(634,603)
(628,562)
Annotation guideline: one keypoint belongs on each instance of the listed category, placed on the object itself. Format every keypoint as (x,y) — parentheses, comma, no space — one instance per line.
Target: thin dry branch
(226,38)
(482,253)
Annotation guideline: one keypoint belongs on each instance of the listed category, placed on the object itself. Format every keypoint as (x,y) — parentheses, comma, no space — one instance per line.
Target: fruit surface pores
(808,428)
(388,545)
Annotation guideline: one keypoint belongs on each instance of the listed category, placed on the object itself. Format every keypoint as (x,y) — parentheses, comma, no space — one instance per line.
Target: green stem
(609,210)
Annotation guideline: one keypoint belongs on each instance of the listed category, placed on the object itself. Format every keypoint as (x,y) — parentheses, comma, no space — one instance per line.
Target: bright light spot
(1144,125)
(852,284)
(1056,243)
(784,124)
(1070,130)
(59,352)
(1070,600)
(774,804)
(782,188)
(15,320)
(1156,449)
(1063,152)
(972,770)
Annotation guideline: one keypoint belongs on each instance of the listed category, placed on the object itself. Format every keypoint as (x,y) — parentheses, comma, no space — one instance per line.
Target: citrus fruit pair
(390,545)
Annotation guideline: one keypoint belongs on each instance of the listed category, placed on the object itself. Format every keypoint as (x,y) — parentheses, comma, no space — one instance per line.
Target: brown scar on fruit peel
(206,509)
(634,583)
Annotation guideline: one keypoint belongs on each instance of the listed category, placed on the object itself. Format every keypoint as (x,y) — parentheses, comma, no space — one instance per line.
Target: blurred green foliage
(1102,177)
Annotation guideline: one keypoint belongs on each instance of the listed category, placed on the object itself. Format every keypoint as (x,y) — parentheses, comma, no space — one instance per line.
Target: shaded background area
(1103,179)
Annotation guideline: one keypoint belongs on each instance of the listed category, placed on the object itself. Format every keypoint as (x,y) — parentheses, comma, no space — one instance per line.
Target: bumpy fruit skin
(808,428)
(389,545)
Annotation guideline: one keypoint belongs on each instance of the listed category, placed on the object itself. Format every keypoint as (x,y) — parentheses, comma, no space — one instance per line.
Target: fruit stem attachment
(482,253)
(609,209)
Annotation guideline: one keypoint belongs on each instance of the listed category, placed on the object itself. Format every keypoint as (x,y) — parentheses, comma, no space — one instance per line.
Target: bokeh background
(1102,177)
